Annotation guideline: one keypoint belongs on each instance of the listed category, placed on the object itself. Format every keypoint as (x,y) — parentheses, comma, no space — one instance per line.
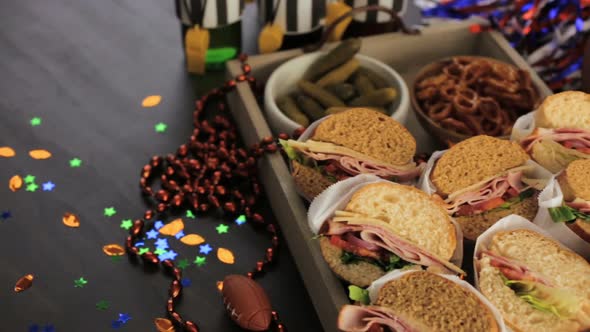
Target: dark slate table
(83,67)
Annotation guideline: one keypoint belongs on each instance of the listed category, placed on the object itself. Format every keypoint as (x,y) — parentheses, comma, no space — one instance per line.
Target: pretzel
(475,96)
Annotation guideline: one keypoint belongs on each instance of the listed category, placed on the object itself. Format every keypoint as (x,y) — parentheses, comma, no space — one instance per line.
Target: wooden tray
(406,54)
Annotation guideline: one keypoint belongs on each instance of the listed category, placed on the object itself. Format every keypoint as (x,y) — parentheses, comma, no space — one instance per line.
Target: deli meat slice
(387,240)
(492,189)
(513,270)
(354,166)
(577,138)
(580,205)
(354,318)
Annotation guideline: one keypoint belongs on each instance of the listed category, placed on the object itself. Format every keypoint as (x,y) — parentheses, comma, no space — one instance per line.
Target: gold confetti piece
(15,183)
(7,152)
(113,250)
(196,44)
(192,239)
(270,38)
(151,101)
(172,228)
(164,325)
(40,154)
(225,256)
(24,283)
(220,285)
(71,220)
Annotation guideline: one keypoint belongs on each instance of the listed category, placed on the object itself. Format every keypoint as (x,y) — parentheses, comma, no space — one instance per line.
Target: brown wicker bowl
(444,135)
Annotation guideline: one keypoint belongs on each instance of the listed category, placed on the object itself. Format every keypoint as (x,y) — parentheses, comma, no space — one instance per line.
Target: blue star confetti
(179,235)
(5,215)
(171,255)
(48,186)
(116,324)
(241,220)
(162,244)
(153,234)
(186,282)
(158,224)
(124,318)
(205,249)
(139,244)
(37,328)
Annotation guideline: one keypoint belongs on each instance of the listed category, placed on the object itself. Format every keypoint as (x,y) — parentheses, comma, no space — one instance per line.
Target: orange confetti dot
(164,325)
(192,239)
(7,152)
(15,183)
(40,154)
(24,283)
(225,256)
(151,101)
(113,250)
(220,285)
(71,220)
(172,228)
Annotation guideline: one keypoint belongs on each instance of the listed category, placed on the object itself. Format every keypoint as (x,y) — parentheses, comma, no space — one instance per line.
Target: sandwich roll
(564,207)
(558,132)
(404,301)
(369,226)
(535,282)
(482,180)
(352,142)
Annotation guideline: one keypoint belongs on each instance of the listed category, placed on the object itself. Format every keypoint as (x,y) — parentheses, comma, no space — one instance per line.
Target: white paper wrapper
(523,127)
(338,195)
(550,197)
(377,284)
(509,223)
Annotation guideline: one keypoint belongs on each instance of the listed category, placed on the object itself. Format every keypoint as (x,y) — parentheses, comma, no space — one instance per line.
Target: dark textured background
(84,66)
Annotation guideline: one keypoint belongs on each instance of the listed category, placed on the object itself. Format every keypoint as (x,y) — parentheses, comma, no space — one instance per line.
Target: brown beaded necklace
(208,173)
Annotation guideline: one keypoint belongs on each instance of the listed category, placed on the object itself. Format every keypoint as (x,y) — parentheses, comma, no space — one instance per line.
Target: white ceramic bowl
(284,81)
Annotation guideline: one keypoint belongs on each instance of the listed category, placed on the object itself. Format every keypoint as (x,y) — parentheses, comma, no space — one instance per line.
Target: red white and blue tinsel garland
(549,34)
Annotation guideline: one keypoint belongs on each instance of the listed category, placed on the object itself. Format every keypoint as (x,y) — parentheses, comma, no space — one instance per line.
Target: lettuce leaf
(567,214)
(516,199)
(292,154)
(358,294)
(560,302)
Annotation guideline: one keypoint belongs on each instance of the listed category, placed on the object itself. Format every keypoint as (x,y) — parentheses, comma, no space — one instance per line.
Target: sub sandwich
(419,301)
(535,283)
(562,132)
(356,141)
(386,226)
(484,179)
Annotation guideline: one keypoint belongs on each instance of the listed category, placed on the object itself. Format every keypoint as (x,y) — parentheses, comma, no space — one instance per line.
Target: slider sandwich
(356,141)
(562,132)
(382,226)
(535,283)
(484,179)
(575,210)
(415,301)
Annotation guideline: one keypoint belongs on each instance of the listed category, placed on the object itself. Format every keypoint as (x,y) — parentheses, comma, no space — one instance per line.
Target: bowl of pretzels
(463,96)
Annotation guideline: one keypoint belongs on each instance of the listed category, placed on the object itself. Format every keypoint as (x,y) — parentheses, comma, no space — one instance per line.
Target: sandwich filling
(571,138)
(371,319)
(364,238)
(500,192)
(339,163)
(571,211)
(533,287)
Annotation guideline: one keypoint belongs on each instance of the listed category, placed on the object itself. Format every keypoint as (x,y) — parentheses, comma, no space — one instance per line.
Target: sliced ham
(392,243)
(513,270)
(497,187)
(568,137)
(354,318)
(354,166)
(580,205)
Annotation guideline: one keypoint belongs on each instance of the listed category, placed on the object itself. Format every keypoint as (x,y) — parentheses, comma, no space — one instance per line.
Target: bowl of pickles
(311,86)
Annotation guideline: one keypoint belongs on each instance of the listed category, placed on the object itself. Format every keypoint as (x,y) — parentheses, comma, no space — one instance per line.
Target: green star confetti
(222,228)
(79,283)
(116,258)
(161,127)
(160,251)
(36,121)
(126,224)
(32,187)
(30,179)
(143,250)
(183,264)
(102,305)
(200,260)
(189,214)
(75,162)
(110,211)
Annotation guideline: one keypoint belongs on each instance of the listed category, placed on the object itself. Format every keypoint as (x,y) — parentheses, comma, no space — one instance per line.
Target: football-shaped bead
(246,303)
